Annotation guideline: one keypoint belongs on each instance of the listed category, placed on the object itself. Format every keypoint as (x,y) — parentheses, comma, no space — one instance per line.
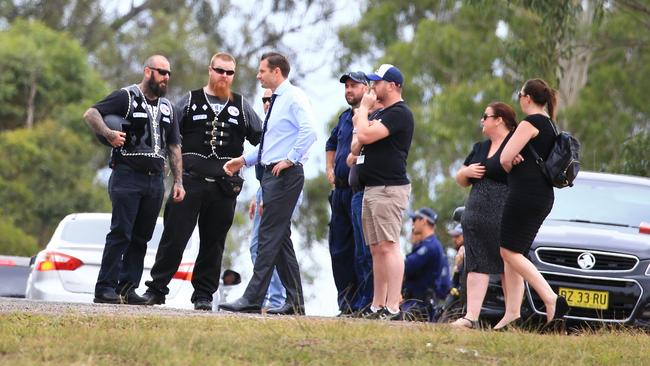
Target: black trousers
(136,198)
(275,248)
(214,210)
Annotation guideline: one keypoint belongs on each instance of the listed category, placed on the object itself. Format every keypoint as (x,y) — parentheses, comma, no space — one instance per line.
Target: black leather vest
(210,140)
(146,135)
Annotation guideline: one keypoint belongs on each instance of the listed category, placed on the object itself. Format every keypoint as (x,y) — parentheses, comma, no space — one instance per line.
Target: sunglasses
(486,116)
(520,95)
(266,100)
(162,72)
(221,71)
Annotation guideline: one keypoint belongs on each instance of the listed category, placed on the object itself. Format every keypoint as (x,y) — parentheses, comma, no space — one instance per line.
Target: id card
(361,159)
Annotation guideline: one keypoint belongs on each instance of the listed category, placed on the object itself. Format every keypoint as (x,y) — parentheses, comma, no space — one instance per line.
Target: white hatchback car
(66,270)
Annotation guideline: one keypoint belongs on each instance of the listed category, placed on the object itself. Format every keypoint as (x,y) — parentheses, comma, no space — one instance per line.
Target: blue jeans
(362,256)
(136,198)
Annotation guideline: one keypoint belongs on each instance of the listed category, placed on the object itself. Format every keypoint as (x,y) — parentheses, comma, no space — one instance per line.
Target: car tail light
(7,262)
(53,261)
(184,272)
(644,228)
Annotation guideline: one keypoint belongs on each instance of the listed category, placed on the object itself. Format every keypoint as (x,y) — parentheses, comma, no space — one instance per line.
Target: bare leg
(513,290)
(394,263)
(380,283)
(522,266)
(477,284)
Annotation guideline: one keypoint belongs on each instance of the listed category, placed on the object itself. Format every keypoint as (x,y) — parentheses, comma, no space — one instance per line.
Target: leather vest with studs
(145,137)
(211,139)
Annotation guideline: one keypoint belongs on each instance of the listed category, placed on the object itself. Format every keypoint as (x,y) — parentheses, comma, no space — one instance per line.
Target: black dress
(531,197)
(482,216)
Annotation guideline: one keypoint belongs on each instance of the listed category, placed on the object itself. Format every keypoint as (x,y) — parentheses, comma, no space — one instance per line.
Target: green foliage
(15,241)
(43,71)
(314,212)
(48,176)
(636,155)
(455,64)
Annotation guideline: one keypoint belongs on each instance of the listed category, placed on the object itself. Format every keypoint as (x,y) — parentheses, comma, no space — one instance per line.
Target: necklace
(152,114)
(213,141)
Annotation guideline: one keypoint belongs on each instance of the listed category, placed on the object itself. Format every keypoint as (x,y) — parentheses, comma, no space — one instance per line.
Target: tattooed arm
(96,122)
(176,164)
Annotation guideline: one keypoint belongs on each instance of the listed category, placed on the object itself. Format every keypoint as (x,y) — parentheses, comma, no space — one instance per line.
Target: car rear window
(93,231)
(606,202)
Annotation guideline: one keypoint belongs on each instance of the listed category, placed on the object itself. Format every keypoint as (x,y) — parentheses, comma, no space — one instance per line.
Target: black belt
(145,172)
(198,176)
(272,165)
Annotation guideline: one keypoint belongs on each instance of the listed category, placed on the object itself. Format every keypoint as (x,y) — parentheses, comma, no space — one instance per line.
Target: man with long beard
(136,186)
(214,121)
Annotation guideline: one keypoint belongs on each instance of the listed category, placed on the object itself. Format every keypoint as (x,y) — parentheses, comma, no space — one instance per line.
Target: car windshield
(603,202)
(94,230)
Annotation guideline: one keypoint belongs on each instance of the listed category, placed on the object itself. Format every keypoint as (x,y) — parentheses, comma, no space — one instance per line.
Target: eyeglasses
(221,71)
(486,116)
(520,95)
(266,100)
(162,72)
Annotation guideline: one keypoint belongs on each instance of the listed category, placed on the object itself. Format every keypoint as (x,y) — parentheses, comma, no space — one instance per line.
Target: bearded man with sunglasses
(214,122)
(136,185)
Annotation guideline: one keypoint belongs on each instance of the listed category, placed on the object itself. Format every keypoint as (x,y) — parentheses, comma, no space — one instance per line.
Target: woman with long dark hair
(529,201)
(481,219)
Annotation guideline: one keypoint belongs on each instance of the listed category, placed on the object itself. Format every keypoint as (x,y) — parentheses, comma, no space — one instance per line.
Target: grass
(73,339)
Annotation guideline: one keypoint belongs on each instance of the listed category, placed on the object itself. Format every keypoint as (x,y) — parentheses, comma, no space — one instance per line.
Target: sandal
(466,324)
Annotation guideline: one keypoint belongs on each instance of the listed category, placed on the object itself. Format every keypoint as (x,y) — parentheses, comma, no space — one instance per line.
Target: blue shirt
(340,141)
(290,132)
(426,268)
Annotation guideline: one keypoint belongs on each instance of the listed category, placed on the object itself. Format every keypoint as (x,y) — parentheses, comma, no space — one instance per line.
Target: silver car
(66,270)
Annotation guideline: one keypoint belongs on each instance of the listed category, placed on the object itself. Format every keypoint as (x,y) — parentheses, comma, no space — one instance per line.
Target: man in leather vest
(136,187)
(214,122)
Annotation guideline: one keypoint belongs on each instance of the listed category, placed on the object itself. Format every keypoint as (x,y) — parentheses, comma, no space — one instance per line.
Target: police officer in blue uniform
(136,185)
(214,122)
(341,235)
(426,270)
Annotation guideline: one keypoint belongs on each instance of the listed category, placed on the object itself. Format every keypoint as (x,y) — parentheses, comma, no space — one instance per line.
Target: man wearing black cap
(382,170)
(136,186)
(341,235)
(426,271)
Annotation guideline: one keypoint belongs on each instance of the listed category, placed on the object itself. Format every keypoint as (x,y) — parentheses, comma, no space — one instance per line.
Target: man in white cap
(382,170)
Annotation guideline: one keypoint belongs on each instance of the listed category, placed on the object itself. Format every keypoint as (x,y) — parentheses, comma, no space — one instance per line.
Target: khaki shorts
(382,212)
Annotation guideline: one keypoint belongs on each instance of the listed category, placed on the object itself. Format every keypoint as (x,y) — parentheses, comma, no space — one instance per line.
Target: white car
(66,270)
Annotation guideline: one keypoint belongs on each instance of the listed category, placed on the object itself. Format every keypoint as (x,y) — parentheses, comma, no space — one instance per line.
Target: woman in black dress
(529,202)
(481,219)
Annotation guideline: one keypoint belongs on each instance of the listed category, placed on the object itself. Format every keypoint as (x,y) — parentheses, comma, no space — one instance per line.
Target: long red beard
(219,89)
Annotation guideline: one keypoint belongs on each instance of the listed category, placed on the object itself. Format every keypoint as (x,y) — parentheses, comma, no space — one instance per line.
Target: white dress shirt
(290,131)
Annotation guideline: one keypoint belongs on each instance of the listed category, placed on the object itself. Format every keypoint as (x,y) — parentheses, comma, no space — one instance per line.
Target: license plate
(585,298)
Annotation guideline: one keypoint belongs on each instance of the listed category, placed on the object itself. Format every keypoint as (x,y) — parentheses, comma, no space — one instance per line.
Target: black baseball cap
(357,76)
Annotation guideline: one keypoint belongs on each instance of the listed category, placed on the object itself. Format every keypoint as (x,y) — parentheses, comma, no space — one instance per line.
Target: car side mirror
(458,213)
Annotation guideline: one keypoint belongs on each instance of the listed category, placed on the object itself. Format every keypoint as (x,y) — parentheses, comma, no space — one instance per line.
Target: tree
(119,37)
(42,72)
(48,176)
(455,63)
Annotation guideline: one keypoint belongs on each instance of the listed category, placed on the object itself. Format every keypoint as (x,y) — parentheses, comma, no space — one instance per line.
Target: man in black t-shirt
(214,122)
(382,169)
(136,187)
